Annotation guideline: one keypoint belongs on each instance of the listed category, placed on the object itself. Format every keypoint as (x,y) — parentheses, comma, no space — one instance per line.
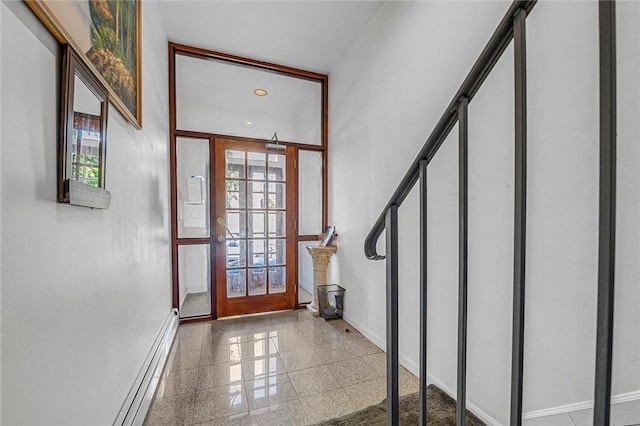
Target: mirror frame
(72,65)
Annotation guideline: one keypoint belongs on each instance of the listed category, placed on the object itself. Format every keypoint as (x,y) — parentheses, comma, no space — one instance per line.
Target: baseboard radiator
(139,399)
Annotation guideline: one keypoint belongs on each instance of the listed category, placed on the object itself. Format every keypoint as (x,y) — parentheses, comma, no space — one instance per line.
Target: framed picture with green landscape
(106,34)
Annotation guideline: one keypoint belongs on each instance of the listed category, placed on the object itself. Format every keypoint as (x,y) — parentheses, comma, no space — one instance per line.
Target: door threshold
(258,314)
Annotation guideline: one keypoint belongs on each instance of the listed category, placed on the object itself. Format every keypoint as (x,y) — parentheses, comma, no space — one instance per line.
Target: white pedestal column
(320,257)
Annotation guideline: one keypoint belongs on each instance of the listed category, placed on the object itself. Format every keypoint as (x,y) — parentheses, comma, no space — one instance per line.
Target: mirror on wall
(82,146)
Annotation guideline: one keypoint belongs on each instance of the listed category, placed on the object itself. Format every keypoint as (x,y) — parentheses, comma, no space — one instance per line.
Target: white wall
(386,95)
(626,374)
(1,10)
(84,292)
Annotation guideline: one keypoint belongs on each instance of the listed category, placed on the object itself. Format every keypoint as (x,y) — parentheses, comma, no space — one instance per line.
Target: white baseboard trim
(135,407)
(477,411)
(413,367)
(585,405)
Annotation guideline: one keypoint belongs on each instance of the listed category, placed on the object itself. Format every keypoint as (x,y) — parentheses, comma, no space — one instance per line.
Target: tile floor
(622,414)
(285,368)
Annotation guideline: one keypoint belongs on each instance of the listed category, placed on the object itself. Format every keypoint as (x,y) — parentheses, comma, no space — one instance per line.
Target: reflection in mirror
(85,143)
(82,136)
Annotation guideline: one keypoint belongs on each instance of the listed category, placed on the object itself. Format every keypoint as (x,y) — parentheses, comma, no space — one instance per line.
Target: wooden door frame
(176,241)
(180,49)
(291,207)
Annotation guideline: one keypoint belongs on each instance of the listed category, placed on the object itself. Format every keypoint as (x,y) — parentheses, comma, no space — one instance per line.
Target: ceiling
(311,35)
(218,97)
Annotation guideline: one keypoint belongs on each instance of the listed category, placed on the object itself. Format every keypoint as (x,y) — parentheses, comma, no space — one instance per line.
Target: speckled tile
(219,354)
(311,327)
(333,352)
(217,336)
(289,413)
(367,393)
(301,359)
(257,368)
(270,390)
(324,336)
(182,361)
(312,381)
(284,323)
(236,352)
(223,401)
(177,382)
(210,376)
(258,348)
(192,329)
(231,335)
(191,343)
(289,341)
(408,383)
(286,331)
(377,362)
(236,420)
(253,322)
(174,410)
(327,405)
(362,347)
(346,330)
(251,335)
(303,315)
(352,371)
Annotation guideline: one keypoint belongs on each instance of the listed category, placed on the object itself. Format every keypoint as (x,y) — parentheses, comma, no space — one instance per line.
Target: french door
(254,229)
(234,211)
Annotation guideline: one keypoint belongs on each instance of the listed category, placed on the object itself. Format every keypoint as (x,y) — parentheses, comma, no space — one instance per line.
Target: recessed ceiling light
(260,92)
(248,123)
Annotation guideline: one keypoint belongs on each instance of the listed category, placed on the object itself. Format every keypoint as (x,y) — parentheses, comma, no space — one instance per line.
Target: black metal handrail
(511,27)
(490,55)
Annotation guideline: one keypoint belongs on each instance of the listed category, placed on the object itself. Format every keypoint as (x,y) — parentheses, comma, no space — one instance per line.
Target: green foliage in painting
(113,41)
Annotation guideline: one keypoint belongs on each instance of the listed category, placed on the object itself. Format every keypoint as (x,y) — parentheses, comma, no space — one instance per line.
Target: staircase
(512,28)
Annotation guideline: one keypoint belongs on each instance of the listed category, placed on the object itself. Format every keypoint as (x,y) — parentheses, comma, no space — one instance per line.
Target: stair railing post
(393,411)
(422,419)
(520,212)
(463,190)
(607,216)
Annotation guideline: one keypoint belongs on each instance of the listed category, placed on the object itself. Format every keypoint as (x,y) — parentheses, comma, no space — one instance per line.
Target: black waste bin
(330,301)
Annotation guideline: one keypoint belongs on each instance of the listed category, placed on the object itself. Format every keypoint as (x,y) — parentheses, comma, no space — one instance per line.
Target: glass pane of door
(192,182)
(257,192)
(305,272)
(194,280)
(310,192)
